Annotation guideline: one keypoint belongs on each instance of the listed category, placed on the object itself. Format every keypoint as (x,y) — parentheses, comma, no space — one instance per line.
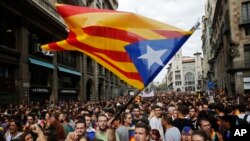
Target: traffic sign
(210,85)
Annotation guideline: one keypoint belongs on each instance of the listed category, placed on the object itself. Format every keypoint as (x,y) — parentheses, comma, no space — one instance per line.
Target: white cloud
(180,13)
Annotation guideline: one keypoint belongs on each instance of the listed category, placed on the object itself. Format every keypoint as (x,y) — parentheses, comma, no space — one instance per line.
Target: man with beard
(138,117)
(64,119)
(79,133)
(105,132)
(193,117)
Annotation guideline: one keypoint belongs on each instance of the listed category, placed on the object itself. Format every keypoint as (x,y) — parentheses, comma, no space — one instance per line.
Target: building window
(189,78)
(177,77)
(247,30)
(68,58)
(247,54)
(4,72)
(7,30)
(39,77)
(246,11)
(68,81)
(178,83)
(246,81)
(89,65)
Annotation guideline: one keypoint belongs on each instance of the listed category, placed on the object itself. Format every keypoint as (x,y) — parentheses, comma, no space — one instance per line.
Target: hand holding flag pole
(133,47)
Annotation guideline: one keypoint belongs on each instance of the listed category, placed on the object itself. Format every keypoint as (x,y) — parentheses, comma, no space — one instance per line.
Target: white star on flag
(153,56)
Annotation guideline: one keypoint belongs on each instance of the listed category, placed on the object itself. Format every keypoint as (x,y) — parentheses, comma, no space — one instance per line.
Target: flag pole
(126,105)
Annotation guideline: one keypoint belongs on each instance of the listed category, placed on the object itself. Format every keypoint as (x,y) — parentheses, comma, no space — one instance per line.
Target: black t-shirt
(142,119)
(182,122)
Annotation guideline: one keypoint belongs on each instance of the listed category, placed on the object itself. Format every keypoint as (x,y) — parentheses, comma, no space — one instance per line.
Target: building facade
(184,73)
(230,46)
(206,43)
(29,74)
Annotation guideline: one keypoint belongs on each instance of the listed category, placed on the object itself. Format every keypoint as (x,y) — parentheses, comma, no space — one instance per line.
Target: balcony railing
(49,7)
(244,22)
(239,65)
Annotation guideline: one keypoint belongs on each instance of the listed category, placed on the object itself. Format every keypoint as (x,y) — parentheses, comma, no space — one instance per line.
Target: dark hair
(51,135)
(156,133)
(32,115)
(18,124)
(183,109)
(120,119)
(25,134)
(220,107)
(156,107)
(229,109)
(167,118)
(144,126)
(195,109)
(81,121)
(242,107)
(203,134)
(199,120)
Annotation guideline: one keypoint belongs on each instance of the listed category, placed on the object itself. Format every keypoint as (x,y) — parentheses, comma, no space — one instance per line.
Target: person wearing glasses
(205,124)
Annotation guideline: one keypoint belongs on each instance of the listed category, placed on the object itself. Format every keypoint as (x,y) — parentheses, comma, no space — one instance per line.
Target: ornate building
(28,74)
(184,73)
(229,37)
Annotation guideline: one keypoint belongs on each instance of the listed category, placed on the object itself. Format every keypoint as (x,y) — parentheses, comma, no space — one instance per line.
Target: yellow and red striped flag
(133,47)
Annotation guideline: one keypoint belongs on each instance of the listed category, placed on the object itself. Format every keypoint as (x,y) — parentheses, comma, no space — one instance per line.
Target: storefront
(68,94)
(68,84)
(7,83)
(246,85)
(40,80)
(39,94)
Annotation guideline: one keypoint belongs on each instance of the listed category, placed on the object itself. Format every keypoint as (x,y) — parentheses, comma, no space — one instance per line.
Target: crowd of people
(173,117)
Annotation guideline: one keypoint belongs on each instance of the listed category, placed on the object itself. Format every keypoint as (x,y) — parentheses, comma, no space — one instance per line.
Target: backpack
(240,121)
(245,118)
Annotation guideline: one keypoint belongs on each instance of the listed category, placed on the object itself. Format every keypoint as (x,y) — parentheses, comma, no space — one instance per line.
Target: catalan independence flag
(133,47)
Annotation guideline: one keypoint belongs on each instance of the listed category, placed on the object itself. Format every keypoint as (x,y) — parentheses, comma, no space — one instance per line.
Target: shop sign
(68,91)
(40,90)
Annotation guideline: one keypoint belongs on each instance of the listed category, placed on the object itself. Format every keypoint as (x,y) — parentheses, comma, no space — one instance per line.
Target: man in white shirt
(155,121)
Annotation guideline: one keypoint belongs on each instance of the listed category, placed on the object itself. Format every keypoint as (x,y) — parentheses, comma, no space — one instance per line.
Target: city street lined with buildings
(51,91)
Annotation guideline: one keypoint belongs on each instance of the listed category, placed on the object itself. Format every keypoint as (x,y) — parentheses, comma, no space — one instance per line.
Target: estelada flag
(133,47)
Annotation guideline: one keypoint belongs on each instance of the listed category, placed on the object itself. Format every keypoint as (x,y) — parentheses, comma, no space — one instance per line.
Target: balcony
(238,66)
(48,7)
(244,22)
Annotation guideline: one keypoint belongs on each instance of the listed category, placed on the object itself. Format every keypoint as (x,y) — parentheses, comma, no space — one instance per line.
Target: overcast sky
(180,13)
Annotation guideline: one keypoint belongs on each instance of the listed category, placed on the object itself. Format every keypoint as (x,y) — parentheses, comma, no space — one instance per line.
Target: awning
(63,69)
(41,63)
